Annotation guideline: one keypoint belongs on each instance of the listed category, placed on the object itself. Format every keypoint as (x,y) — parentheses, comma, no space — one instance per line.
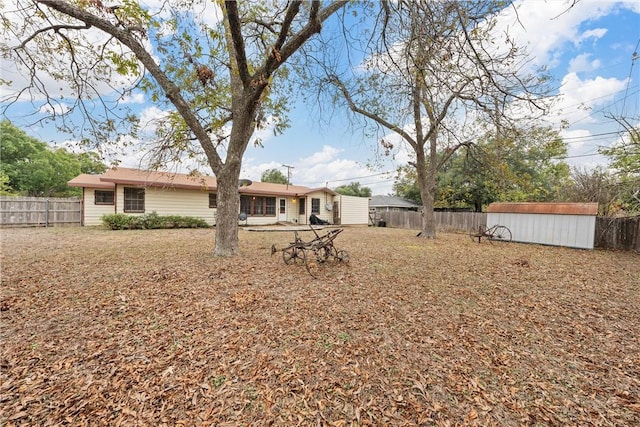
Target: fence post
(46,212)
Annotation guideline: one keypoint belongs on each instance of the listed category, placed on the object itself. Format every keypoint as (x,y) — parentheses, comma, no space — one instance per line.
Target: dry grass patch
(147,328)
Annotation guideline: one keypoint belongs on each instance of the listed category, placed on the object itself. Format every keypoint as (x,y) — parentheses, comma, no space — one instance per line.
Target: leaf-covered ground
(148,328)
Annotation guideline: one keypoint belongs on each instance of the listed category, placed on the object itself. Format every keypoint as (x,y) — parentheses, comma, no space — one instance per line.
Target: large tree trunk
(427,171)
(227,212)
(427,192)
(228,178)
(427,184)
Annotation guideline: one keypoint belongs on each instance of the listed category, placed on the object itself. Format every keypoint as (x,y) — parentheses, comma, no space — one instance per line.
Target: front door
(282,210)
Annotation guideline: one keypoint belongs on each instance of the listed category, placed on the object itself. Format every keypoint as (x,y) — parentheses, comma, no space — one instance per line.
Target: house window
(133,199)
(301,204)
(271,206)
(283,206)
(315,206)
(104,197)
(213,200)
(258,206)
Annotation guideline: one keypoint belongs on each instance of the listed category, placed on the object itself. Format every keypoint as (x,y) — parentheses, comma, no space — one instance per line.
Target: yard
(147,328)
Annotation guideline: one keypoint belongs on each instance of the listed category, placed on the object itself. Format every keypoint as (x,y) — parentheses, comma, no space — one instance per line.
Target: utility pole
(288,174)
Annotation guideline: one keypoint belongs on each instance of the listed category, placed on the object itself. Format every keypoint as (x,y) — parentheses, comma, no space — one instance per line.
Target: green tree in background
(625,161)
(625,156)
(434,80)
(274,176)
(353,189)
(406,184)
(523,167)
(30,167)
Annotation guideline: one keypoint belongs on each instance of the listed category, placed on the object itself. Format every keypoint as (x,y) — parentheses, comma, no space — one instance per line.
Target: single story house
(392,203)
(136,192)
(380,204)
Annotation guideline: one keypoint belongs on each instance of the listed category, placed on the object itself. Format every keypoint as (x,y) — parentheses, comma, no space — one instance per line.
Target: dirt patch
(148,328)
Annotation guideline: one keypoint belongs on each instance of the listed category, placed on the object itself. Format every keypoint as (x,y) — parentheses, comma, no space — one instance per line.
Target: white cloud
(578,96)
(575,139)
(56,109)
(322,168)
(545,30)
(150,118)
(134,98)
(583,63)
(254,171)
(327,154)
(596,33)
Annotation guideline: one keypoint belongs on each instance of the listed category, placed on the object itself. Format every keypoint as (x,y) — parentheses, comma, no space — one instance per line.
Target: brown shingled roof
(545,208)
(158,179)
(145,178)
(93,181)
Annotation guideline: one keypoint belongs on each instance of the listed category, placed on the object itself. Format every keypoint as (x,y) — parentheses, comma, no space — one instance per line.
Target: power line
(591,136)
(288,173)
(634,56)
(576,156)
(359,177)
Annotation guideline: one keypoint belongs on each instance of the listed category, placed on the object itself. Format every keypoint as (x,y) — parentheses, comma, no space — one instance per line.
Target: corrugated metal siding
(354,210)
(576,231)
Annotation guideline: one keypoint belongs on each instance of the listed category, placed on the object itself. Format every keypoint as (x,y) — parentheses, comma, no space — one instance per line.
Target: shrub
(151,220)
(116,221)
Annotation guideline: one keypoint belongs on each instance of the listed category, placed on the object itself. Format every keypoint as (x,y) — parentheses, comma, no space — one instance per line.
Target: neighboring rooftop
(391,201)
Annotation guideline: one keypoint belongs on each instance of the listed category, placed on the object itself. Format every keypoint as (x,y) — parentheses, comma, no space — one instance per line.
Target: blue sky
(589,50)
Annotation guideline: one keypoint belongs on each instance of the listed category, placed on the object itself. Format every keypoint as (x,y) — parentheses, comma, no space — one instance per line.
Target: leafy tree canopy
(354,189)
(214,69)
(274,176)
(625,156)
(30,167)
(523,167)
(435,78)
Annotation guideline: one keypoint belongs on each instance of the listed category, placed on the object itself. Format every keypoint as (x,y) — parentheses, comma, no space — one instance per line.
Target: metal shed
(558,224)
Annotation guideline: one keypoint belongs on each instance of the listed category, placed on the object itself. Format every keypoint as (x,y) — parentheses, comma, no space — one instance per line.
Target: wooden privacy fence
(445,221)
(610,233)
(39,211)
(618,233)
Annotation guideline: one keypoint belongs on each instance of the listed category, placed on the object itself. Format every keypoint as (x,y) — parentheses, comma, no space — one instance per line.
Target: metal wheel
(478,234)
(342,256)
(502,234)
(312,266)
(293,255)
(326,253)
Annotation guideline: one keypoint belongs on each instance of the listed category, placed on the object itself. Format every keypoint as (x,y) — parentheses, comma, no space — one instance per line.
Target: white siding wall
(172,201)
(179,202)
(353,210)
(93,212)
(575,231)
(260,220)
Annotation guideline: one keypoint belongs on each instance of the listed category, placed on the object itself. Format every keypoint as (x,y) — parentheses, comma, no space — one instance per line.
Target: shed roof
(545,208)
